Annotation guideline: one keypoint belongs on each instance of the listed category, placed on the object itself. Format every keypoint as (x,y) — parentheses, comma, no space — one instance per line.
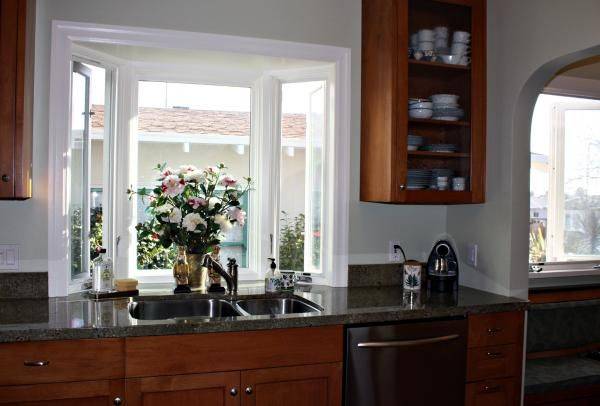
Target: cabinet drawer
(61,361)
(497,392)
(495,329)
(493,362)
(216,352)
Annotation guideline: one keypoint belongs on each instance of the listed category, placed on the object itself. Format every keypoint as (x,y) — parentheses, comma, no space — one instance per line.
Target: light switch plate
(9,257)
(472,251)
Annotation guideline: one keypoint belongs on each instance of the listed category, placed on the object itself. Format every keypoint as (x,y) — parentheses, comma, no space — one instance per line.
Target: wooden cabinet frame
(387,77)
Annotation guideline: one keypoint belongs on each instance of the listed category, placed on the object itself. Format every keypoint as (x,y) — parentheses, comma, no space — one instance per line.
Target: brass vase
(198,273)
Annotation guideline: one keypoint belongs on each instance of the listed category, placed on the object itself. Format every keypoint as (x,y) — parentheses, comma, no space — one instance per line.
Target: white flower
(196,202)
(237,214)
(213,201)
(165,208)
(191,221)
(174,216)
(172,185)
(184,169)
(194,176)
(223,222)
(165,172)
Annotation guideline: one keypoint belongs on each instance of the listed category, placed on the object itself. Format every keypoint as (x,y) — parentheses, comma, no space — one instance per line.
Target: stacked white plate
(440,148)
(418,179)
(414,142)
(446,107)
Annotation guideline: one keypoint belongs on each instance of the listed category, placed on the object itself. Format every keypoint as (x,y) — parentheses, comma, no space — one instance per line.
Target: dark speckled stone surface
(553,374)
(75,317)
(23,285)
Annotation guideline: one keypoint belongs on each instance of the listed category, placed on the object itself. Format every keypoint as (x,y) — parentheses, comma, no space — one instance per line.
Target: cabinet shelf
(439,65)
(439,122)
(431,154)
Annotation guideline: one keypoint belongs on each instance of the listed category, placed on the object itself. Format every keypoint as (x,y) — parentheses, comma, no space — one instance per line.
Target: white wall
(330,22)
(528,41)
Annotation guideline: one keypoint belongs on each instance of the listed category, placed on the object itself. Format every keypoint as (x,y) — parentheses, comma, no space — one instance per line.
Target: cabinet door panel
(91,393)
(8,56)
(309,385)
(190,390)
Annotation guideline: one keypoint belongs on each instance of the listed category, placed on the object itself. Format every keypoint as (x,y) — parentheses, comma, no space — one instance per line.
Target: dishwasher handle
(407,343)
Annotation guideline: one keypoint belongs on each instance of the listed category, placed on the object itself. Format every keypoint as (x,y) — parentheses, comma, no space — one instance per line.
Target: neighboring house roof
(185,121)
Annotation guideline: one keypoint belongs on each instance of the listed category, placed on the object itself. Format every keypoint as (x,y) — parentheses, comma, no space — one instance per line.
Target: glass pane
(97,136)
(302,131)
(76,203)
(582,184)
(189,124)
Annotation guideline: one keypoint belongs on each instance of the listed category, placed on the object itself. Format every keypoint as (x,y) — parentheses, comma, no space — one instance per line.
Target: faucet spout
(210,263)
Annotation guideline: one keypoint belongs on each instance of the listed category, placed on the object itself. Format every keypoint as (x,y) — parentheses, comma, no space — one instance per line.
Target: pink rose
(172,185)
(166,172)
(228,181)
(196,202)
(237,214)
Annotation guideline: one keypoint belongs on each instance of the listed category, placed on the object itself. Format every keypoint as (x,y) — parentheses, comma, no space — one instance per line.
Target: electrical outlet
(472,255)
(395,252)
(9,257)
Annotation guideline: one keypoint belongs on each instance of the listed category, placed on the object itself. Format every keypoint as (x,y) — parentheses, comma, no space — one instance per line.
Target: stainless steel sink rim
(220,308)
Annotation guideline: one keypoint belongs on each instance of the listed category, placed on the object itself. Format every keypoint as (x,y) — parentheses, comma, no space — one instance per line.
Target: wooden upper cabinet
(16,101)
(390,78)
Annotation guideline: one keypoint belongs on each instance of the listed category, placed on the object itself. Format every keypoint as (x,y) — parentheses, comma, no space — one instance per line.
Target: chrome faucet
(232,283)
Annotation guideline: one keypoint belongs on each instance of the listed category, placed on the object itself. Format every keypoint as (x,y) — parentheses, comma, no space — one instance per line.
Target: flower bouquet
(195,208)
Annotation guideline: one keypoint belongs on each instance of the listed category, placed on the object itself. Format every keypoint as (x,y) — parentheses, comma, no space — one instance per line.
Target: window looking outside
(190,124)
(87,167)
(564,221)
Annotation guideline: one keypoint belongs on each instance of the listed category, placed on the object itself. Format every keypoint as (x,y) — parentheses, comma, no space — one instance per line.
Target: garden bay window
(565,185)
(274,130)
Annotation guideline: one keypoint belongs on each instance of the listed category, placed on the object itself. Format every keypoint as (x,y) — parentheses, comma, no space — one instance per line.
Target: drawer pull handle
(36,363)
(248,390)
(407,343)
(490,389)
(495,355)
(117,401)
(5,178)
(494,331)
(233,392)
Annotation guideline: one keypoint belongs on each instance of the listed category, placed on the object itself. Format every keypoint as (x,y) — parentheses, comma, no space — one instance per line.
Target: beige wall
(528,41)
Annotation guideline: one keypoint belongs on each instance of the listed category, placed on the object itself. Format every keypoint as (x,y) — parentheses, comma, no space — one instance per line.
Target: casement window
(564,221)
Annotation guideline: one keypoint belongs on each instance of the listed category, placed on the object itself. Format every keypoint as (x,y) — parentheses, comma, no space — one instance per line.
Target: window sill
(564,273)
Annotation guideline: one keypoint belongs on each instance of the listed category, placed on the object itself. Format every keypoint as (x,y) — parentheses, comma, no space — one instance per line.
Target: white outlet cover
(9,257)
(472,251)
(395,255)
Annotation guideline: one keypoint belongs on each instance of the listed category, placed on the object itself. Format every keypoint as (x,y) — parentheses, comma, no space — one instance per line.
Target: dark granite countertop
(75,317)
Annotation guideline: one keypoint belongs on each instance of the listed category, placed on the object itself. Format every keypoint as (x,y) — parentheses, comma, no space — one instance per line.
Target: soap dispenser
(272,278)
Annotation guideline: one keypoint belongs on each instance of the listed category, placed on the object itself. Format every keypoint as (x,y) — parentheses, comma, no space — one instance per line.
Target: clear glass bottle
(97,269)
(108,275)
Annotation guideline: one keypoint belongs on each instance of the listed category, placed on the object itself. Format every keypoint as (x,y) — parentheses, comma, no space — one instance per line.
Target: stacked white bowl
(426,40)
(461,47)
(440,42)
(420,108)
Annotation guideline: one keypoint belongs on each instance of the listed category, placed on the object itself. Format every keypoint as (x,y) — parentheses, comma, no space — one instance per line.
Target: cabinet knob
(233,392)
(117,401)
(249,390)
(493,331)
(490,389)
(5,178)
(402,187)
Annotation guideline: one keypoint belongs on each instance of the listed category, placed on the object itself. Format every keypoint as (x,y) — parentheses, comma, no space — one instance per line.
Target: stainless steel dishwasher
(406,364)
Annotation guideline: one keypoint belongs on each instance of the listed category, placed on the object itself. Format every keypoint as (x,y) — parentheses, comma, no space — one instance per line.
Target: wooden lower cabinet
(308,385)
(213,389)
(90,393)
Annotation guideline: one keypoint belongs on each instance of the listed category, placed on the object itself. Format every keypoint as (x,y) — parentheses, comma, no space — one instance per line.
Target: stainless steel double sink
(219,308)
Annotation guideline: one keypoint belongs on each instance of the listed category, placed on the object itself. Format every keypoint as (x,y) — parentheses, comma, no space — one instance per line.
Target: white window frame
(584,266)
(335,234)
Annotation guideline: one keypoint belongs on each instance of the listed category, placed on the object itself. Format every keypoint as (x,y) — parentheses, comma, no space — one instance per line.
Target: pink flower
(228,181)
(184,169)
(166,172)
(211,170)
(196,202)
(172,185)
(237,214)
